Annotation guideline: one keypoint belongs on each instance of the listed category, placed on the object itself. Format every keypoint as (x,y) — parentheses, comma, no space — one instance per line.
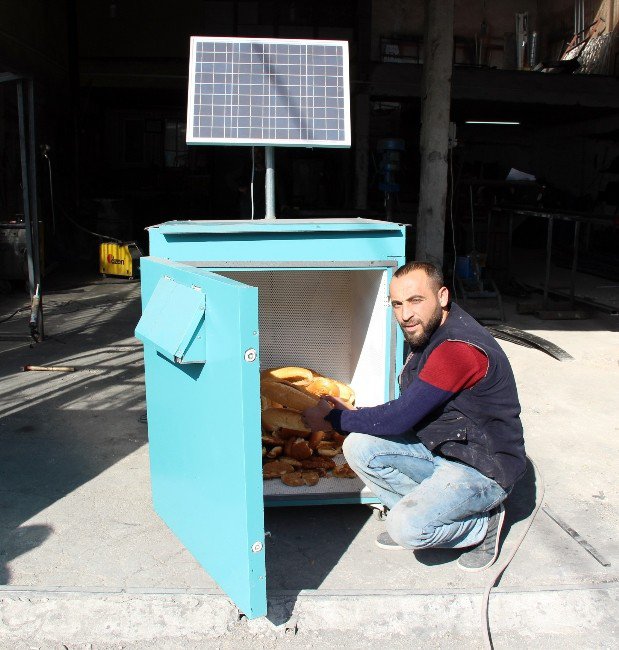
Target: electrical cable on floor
(51,190)
(8,318)
(485,623)
(90,232)
(66,214)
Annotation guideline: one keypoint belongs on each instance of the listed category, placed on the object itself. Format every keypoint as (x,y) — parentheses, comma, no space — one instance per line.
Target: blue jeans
(433,501)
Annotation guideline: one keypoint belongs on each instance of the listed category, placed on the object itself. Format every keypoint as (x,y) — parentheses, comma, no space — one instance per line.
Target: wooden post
(436,100)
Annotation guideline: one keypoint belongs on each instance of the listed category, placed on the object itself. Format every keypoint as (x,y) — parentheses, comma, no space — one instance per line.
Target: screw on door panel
(256,547)
(250,355)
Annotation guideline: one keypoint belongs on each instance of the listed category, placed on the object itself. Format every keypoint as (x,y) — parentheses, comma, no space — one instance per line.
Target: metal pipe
(34,205)
(581,21)
(269,182)
(575,16)
(25,186)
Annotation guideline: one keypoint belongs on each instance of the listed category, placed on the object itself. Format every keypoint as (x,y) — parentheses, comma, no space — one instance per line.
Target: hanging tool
(49,368)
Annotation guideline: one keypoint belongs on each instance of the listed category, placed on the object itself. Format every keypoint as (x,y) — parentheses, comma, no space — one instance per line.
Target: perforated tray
(328,487)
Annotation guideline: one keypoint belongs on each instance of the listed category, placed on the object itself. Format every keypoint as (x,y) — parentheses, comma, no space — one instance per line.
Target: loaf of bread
(275,469)
(316,462)
(344,471)
(291,461)
(328,449)
(297,479)
(275,452)
(292,374)
(297,448)
(346,392)
(316,438)
(290,449)
(284,421)
(323,386)
(287,395)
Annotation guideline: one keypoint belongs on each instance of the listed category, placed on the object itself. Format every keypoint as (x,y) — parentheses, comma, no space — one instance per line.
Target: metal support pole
(27,150)
(25,186)
(548,259)
(269,182)
(574,263)
(34,205)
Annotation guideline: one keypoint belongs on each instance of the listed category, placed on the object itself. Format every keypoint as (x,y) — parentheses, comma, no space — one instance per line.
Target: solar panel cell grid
(269,92)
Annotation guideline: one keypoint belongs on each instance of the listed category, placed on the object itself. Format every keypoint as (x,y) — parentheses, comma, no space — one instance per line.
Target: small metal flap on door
(173,321)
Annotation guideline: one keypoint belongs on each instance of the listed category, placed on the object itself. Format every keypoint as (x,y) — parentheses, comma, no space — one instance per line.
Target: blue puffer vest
(481,425)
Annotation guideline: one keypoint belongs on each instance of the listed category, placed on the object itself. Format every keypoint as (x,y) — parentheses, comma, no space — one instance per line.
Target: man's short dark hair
(431,270)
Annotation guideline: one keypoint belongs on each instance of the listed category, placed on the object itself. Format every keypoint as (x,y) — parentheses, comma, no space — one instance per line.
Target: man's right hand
(314,417)
(339,404)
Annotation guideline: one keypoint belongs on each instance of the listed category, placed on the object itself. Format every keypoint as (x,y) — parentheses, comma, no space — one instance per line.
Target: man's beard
(421,338)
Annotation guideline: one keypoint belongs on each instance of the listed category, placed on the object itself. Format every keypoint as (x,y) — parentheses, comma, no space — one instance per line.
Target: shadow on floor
(57,432)
(304,546)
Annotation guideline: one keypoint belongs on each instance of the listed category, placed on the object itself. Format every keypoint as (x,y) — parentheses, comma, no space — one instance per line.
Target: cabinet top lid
(275,225)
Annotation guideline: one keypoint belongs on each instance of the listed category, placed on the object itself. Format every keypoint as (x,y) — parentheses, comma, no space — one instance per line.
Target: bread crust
(344,471)
(318,462)
(286,420)
(287,395)
(298,479)
(293,374)
(297,448)
(323,386)
(276,468)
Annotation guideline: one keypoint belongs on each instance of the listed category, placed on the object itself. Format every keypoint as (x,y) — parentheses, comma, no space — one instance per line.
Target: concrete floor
(84,559)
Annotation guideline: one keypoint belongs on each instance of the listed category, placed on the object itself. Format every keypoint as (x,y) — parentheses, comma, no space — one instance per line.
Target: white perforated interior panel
(334,322)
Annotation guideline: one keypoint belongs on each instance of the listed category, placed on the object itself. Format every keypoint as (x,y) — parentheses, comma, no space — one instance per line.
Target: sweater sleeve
(452,367)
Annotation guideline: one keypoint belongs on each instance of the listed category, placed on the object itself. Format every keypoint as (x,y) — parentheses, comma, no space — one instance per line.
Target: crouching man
(445,454)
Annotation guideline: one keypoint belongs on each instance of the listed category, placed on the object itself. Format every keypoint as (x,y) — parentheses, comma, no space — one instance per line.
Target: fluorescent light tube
(492,122)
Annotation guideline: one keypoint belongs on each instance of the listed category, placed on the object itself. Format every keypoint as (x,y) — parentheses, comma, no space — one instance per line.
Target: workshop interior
(109,173)
(93,131)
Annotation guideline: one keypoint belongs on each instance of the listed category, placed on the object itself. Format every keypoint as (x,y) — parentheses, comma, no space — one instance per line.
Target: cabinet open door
(201,355)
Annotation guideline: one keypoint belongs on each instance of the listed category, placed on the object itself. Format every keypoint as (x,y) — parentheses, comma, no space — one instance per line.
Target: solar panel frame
(237,94)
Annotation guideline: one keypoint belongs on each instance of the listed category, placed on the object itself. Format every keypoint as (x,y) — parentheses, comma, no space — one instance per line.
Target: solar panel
(266,92)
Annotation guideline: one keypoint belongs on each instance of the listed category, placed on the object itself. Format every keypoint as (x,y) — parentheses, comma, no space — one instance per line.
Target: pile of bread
(290,451)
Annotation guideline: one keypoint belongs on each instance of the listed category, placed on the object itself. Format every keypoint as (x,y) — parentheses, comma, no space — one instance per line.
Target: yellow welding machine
(119,259)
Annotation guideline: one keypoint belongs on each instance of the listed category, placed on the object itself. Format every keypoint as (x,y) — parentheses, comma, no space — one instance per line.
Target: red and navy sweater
(453,366)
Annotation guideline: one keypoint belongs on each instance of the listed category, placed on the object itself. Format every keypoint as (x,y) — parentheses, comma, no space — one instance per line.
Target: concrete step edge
(137,617)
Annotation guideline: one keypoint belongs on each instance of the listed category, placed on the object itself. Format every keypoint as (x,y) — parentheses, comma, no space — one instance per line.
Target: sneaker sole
(389,547)
(495,556)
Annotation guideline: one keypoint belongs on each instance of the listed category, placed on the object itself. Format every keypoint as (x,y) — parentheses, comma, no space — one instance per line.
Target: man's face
(419,306)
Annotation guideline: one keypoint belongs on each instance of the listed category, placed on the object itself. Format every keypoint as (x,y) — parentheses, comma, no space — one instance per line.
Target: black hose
(485,623)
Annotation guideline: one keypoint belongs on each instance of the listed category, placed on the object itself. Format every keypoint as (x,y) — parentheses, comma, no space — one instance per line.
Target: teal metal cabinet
(221,300)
